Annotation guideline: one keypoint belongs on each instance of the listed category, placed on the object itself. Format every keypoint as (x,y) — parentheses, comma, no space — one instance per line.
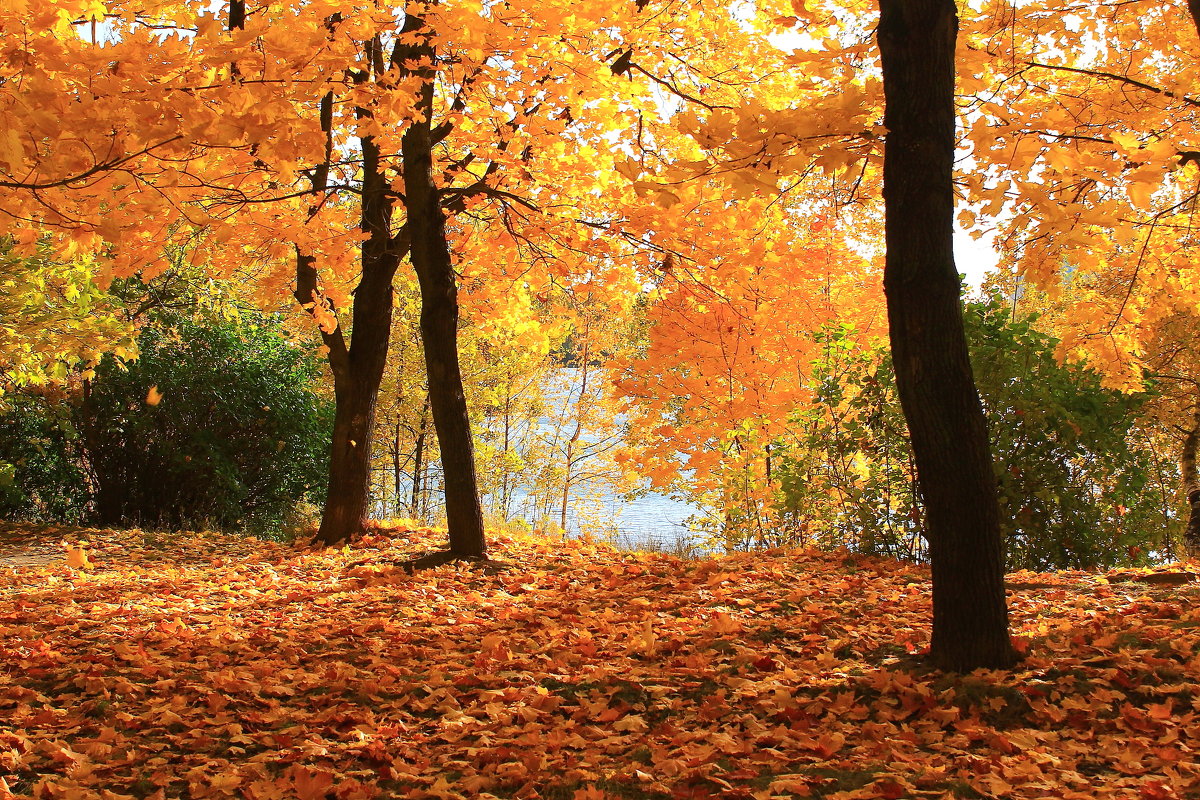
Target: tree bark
(431,260)
(346,507)
(933,370)
(358,367)
(1191,485)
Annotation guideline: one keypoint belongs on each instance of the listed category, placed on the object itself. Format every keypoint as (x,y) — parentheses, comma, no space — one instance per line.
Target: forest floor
(208,666)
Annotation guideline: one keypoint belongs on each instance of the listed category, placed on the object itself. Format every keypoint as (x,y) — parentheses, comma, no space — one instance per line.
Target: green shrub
(237,438)
(1073,480)
(216,425)
(42,472)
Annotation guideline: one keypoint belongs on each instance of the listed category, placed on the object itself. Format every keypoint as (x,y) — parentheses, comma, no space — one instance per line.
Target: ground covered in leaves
(216,667)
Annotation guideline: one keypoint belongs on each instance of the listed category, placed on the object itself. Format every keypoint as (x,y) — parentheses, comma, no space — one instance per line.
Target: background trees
(357,119)
(1078,477)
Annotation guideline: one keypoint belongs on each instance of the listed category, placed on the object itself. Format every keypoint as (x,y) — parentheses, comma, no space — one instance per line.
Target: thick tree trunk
(1191,485)
(346,509)
(439,304)
(933,369)
(357,373)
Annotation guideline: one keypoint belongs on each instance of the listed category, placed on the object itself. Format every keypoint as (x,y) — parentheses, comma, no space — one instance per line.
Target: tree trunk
(419,464)
(357,368)
(432,262)
(1191,485)
(107,473)
(569,466)
(397,470)
(505,476)
(929,349)
(350,460)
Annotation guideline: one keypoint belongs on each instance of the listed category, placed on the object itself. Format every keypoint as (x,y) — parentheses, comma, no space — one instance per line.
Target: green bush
(42,474)
(1074,482)
(232,436)
(1074,479)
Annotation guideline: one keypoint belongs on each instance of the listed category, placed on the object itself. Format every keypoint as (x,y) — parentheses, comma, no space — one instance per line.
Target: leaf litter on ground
(209,666)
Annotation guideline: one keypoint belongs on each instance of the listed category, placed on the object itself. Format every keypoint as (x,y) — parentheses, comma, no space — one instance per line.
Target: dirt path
(23,546)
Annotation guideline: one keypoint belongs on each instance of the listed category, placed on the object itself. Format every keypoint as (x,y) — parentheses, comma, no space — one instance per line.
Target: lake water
(651,520)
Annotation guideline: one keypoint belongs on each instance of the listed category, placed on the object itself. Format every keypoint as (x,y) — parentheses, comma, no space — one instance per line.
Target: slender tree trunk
(568,470)
(432,262)
(397,471)
(419,462)
(506,478)
(929,349)
(1191,485)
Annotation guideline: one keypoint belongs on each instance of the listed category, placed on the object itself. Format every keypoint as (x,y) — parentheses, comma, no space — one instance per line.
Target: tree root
(442,557)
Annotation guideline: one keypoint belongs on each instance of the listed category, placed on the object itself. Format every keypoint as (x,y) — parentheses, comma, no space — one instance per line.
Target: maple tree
(949,434)
(728,355)
(55,322)
(356,140)
(929,350)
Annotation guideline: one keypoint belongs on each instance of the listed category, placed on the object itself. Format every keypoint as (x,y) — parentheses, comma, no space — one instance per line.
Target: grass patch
(998,705)
(612,787)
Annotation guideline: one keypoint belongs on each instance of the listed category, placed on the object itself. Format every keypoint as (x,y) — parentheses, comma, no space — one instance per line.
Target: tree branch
(1112,76)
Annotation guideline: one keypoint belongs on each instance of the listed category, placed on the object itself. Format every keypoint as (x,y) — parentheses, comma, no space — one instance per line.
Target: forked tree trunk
(929,349)
(432,262)
(358,367)
(357,375)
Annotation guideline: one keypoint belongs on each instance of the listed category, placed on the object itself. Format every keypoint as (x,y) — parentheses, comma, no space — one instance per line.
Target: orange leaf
(311,784)
(830,743)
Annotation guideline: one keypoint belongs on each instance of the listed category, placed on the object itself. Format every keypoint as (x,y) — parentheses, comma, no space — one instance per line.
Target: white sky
(974,258)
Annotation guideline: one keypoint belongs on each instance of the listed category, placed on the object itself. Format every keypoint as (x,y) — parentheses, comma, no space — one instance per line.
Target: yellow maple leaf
(77,557)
